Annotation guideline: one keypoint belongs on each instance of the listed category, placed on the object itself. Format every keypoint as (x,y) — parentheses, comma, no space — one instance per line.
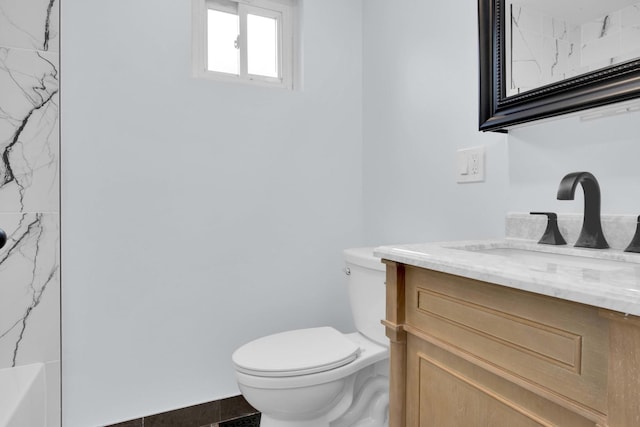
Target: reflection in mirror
(553,40)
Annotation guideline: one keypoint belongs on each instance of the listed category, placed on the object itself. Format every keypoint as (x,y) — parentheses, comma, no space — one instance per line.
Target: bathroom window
(244,40)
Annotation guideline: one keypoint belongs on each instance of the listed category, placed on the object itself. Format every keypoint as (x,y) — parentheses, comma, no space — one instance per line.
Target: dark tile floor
(248,421)
(231,412)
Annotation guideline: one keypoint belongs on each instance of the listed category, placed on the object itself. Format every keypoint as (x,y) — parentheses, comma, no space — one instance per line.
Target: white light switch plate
(470,164)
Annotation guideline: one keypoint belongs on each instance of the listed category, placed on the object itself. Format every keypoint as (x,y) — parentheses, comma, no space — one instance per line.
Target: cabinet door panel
(448,400)
(555,344)
(444,390)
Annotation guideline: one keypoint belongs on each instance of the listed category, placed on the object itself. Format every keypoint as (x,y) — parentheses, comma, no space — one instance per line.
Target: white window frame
(281,10)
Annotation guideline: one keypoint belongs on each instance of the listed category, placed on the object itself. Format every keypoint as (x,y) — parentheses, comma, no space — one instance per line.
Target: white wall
(541,154)
(420,105)
(197,215)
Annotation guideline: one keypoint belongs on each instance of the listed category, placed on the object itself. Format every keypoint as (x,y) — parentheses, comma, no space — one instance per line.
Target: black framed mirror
(508,99)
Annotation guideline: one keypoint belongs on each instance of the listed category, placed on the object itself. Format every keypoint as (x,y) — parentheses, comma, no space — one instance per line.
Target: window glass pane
(262,45)
(222,33)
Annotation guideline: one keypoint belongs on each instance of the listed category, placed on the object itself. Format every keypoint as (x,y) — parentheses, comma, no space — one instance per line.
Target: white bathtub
(23,396)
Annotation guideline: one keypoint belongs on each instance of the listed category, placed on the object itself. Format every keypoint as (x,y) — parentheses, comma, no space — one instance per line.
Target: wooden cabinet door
(444,390)
(448,400)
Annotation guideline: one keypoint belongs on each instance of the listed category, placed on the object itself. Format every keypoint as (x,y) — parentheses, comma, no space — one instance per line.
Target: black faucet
(591,235)
(552,235)
(634,246)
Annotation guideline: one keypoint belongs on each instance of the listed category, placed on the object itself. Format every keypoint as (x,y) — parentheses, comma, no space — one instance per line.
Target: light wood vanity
(468,353)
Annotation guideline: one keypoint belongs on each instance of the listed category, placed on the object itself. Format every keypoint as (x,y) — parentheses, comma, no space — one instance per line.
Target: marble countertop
(606,278)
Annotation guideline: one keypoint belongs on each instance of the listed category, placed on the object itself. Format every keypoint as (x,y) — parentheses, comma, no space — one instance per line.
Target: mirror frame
(497,112)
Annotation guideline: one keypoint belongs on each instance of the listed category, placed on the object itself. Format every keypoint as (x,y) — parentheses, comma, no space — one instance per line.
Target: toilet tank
(367,292)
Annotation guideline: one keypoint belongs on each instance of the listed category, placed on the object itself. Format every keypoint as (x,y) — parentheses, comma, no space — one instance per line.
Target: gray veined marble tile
(555,28)
(601,27)
(527,19)
(29,289)
(630,43)
(526,70)
(29,137)
(631,16)
(29,24)
(618,229)
(600,52)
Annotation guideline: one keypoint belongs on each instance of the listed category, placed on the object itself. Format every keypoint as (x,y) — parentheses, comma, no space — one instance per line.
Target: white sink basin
(537,258)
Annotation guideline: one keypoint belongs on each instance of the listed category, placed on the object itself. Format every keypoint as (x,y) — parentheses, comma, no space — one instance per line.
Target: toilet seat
(294,353)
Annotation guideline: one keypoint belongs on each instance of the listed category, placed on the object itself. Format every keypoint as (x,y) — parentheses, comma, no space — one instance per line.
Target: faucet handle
(3,238)
(634,246)
(552,234)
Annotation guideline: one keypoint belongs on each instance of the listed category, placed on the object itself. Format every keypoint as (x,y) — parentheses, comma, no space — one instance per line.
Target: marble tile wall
(546,49)
(611,39)
(618,229)
(29,182)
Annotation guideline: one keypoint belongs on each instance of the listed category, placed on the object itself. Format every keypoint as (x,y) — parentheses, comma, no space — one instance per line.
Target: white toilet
(320,377)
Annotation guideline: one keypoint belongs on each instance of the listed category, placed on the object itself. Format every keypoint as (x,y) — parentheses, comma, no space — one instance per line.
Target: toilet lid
(293,353)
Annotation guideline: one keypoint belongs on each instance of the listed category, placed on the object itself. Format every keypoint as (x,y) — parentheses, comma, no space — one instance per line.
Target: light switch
(463,165)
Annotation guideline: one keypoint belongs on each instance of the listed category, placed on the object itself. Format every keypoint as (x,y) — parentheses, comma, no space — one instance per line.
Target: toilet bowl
(320,377)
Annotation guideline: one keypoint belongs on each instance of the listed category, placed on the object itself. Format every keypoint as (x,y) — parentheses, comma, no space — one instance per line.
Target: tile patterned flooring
(231,412)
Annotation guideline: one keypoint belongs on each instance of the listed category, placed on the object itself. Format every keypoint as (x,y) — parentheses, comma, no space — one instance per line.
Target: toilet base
(370,404)
(266,421)
(366,404)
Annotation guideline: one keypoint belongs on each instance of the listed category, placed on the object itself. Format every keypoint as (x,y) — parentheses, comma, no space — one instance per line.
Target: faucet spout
(591,235)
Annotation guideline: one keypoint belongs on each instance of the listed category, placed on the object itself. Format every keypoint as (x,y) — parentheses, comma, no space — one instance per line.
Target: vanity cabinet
(475,354)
